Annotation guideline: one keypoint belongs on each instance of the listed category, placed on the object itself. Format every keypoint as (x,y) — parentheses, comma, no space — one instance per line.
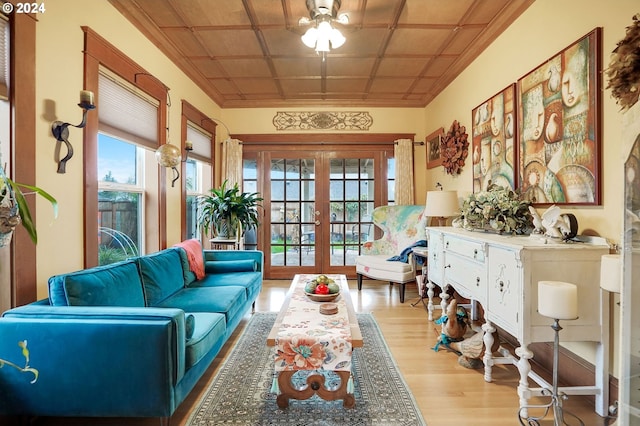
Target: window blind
(201,140)
(126,112)
(4,57)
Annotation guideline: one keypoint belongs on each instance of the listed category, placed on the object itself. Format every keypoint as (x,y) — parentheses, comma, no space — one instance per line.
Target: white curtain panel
(403,153)
(232,162)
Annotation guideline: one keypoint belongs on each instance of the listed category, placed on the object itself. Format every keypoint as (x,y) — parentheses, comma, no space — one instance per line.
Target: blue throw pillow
(222,266)
(161,274)
(117,284)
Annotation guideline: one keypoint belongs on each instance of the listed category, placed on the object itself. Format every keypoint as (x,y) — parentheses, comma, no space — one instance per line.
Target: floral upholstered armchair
(403,228)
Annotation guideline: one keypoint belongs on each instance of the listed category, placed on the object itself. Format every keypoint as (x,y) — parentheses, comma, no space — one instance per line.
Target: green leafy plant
(13,198)
(497,209)
(228,207)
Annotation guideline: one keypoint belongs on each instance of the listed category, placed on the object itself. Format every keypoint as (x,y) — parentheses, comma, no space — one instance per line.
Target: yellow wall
(544,29)
(59,79)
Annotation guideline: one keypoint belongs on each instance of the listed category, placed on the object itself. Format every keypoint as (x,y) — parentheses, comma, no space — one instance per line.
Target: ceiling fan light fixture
(337,39)
(323,37)
(310,37)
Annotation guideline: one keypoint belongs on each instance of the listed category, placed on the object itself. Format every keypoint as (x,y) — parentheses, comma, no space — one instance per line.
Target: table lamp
(610,276)
(441,205)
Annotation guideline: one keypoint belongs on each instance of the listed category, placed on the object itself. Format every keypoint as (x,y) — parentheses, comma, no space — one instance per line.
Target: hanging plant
(454,148)
(624,69)
(15,210)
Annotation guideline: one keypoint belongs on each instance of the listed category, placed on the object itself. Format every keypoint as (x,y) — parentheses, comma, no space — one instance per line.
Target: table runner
(308,340)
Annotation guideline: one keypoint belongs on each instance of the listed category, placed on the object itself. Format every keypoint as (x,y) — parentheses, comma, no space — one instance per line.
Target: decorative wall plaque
(322,120)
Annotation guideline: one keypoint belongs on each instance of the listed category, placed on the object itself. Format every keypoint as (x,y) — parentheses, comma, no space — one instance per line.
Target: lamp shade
(442,204)
(558,300)
(610,276)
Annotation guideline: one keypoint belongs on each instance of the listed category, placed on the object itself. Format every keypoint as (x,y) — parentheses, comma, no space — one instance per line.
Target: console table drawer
(469,249)
(467,276)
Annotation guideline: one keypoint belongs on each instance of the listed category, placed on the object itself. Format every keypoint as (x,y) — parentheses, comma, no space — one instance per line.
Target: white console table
(502,273)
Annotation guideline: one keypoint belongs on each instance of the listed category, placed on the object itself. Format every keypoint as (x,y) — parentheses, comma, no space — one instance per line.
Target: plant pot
(9,219)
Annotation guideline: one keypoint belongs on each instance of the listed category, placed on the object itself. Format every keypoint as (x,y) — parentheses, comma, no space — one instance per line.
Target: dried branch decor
(624,69)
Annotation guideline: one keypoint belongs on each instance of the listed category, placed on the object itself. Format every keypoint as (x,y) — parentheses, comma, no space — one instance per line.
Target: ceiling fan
(322,35)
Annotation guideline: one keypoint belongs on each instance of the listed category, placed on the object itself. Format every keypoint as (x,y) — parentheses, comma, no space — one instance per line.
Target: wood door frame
(255,144)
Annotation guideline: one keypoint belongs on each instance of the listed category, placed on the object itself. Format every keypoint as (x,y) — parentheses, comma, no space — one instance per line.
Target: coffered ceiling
(248,53)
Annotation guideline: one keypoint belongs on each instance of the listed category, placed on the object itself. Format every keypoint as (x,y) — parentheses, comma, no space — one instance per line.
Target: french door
(318,207)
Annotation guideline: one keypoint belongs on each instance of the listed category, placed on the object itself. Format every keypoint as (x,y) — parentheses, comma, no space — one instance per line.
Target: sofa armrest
(92,360)
(232,255)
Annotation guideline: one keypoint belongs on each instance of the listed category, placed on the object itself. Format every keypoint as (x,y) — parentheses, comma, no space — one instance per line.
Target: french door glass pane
(292,212)
(351,198)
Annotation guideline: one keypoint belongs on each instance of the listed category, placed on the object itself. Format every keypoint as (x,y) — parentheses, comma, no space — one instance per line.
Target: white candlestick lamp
(559,301)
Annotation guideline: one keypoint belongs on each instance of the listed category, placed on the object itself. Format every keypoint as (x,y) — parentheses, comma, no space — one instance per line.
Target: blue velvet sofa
(130,339)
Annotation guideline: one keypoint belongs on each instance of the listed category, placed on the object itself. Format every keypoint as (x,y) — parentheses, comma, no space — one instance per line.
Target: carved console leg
(444,298)
(524,367)
(488,329)
(430,294)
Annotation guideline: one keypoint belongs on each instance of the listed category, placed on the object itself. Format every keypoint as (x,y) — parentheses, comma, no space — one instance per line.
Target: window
(198,174)
(132,109)
(127,171)
(120,199)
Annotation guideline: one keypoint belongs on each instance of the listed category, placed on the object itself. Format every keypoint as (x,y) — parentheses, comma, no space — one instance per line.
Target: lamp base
(556,397)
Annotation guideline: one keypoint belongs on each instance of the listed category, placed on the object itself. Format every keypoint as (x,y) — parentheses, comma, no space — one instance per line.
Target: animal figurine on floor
(471,350)
(454,324)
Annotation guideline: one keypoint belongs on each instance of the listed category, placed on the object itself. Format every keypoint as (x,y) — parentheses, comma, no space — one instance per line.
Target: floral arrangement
(498,209)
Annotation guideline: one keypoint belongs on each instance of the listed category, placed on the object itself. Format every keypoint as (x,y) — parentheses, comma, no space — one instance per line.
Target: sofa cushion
(251,281)
(161,274)
(229,300)
(209,331)
(117,284)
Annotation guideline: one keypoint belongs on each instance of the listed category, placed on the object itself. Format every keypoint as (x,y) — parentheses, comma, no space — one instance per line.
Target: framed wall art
(494,135)
(559,126)
(433,148)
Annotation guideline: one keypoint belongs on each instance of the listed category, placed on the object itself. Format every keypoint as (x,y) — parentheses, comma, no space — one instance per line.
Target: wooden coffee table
(315,381)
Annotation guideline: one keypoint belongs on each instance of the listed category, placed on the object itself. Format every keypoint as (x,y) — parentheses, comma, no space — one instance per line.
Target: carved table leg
(488,329)
(524,367)
(315,385)
(430,294)
(444,298)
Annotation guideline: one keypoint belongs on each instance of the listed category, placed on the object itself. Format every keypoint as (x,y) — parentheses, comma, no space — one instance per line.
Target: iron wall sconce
(169,156)
(61,132)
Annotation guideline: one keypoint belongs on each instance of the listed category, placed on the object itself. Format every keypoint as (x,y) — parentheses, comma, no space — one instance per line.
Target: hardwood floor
(447,393)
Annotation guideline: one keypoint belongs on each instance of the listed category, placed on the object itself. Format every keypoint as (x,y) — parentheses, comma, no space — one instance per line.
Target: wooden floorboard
(447,393)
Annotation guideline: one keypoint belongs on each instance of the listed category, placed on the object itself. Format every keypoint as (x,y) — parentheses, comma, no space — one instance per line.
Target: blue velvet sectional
(129,339)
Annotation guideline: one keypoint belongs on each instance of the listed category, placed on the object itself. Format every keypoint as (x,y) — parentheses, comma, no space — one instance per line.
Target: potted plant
(15,210)
(227,209)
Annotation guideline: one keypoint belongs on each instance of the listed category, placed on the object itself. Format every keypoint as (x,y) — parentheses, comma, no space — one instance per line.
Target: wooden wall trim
(23,100)
(297,138)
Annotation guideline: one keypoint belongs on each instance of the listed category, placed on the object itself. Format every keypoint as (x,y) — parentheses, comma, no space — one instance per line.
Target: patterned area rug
(240,394)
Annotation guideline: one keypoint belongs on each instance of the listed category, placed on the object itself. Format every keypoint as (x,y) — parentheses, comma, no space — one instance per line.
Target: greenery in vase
(228,205)
(497,209)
